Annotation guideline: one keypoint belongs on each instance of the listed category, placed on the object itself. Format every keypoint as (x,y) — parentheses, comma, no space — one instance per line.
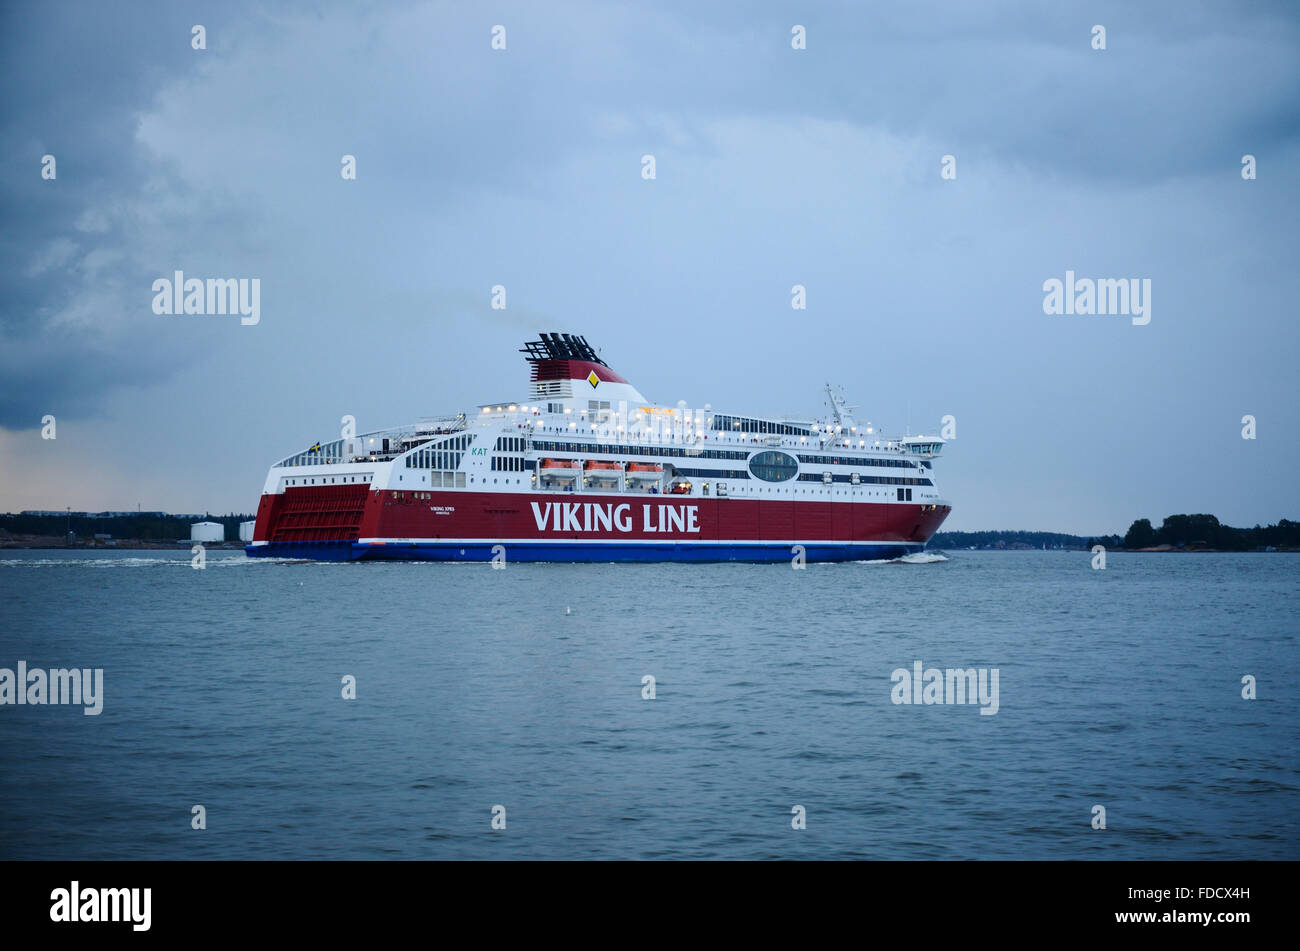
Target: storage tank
(207,532)
(246,531)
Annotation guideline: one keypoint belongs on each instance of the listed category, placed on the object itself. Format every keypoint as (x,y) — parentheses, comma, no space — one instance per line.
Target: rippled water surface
(523,688)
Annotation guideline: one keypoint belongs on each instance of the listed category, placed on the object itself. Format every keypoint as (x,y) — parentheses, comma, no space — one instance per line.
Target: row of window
(859,461)
(679,470)
(712,473)
(331,480)
(864,480)
(760,426)
(770,466)
(543,445)
(508,464)
(510,444)
(447,455)
(434,459)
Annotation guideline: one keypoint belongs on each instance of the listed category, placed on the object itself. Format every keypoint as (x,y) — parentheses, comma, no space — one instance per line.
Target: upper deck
(611,439)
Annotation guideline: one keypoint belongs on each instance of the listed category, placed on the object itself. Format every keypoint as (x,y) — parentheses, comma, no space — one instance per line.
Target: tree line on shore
(1206,531)
(1177,531)
(147,526)
(1022,540)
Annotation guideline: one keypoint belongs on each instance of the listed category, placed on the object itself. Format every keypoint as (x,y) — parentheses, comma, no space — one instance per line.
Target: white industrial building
(246,531)
(207,532)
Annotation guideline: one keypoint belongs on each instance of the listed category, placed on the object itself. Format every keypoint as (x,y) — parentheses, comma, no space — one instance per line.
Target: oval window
(773,466)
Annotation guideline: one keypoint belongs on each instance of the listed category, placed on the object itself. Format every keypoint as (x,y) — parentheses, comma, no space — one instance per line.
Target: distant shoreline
(55,543)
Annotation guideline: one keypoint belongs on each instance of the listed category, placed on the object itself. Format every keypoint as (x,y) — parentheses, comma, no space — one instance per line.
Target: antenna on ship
(840,409)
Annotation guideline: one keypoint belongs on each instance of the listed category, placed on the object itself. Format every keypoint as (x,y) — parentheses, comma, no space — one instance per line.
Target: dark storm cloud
(76,79)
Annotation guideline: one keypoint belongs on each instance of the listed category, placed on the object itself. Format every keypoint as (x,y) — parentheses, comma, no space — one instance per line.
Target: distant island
(162,530)
(1177,533)
(1021,541)
(1205,532)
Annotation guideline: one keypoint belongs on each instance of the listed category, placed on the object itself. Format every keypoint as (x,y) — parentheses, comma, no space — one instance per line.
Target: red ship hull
(352,522)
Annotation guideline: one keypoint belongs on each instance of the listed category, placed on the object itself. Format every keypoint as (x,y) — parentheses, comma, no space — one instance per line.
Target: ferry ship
(587,469)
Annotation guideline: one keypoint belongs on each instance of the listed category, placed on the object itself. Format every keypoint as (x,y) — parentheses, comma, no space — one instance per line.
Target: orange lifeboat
(644,470)
(597,466)
(563,469)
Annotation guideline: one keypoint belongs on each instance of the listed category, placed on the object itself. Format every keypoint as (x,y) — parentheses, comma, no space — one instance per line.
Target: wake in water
(172,561)
(917,558)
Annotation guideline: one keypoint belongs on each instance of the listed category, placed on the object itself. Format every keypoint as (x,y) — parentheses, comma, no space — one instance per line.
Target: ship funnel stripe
(547,370)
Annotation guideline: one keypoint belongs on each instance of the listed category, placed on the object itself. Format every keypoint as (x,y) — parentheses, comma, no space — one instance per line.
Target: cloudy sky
(774,167)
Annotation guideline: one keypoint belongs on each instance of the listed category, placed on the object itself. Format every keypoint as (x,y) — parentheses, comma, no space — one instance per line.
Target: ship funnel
(566,367)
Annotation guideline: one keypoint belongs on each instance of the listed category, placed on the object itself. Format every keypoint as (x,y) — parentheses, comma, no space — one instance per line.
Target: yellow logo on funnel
(593,379)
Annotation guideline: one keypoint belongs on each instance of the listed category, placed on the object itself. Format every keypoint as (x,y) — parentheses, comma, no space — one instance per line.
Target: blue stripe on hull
(576,552)
(317,551)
